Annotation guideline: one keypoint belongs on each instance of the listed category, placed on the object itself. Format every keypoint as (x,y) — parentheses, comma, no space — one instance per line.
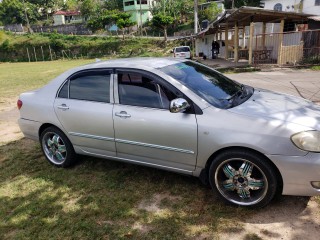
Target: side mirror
(179,105)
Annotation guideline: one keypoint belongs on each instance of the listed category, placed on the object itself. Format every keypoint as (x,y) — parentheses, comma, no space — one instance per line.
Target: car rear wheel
(57,148)
(243,178)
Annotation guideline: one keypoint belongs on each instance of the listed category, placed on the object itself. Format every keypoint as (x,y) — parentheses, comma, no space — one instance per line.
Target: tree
(162,21)
(124,21)
(90,8)
(209,13)
(69,4)
(240,3)
(178,9)
(15,11)
(114,4)
(44,7)
(108,17)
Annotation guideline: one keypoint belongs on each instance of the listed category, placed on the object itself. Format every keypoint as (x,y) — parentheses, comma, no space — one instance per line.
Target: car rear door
(84,108)
(145,129)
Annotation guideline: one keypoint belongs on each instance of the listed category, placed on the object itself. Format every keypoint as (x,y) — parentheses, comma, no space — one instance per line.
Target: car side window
(89,86)
(64,91)
(138,90)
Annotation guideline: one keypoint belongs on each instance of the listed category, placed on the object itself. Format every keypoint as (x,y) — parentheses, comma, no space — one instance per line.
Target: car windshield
(183,49)
(210,85)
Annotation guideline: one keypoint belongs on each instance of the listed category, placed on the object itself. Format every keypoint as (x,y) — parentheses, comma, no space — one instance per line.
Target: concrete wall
(58,20)
(14,28)
(78,29)
(310,8)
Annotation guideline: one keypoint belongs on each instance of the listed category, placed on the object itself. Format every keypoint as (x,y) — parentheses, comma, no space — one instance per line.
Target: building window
(278,7)
(317,3)
(142,1)
(129,3)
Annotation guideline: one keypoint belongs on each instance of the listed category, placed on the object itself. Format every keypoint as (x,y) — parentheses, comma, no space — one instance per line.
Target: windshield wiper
(241,93)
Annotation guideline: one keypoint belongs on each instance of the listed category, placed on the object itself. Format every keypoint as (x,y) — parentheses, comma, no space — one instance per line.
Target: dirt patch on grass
(9,132)
(157,203)
(288,218)
(9,128)
(7,104)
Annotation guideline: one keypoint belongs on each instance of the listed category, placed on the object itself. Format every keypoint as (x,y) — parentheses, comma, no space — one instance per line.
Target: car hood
(268,104)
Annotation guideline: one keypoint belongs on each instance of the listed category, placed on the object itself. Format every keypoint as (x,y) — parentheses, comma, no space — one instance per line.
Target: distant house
(67,17)
(139,10)
(298,6)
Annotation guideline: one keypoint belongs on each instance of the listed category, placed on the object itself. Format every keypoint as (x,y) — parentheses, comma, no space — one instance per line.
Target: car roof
(182,47)
(143,62)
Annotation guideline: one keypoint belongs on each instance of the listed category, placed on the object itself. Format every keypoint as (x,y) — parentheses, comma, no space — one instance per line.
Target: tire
(57,148)
(243,178)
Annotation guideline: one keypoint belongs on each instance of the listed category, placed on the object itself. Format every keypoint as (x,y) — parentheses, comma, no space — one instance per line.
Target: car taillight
(19,104)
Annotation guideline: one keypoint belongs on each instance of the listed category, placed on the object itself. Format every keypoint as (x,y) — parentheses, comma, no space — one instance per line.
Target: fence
(289,48)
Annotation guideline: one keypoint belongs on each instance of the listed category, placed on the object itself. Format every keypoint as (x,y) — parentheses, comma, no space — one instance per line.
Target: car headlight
(308,140)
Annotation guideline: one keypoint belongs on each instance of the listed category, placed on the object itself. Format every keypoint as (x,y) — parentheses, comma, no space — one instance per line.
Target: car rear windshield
(209,84)
(183,49)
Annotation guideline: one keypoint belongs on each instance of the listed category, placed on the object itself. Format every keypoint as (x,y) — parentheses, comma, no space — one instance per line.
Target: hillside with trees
(171,15)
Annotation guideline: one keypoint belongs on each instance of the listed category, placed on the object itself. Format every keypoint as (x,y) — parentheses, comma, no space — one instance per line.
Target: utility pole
(232,4)
(140,19)
(195,16)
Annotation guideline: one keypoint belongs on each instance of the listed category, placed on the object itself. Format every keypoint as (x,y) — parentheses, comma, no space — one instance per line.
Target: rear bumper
(298,172)
(29,128)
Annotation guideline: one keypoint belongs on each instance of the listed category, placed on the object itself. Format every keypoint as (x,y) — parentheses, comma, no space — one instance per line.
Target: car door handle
(122,114)
(63,107)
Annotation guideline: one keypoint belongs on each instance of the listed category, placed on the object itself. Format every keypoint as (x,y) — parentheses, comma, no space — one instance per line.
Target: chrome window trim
(111,90)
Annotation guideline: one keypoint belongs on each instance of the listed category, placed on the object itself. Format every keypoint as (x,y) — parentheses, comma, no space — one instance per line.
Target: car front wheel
(243,178)
(57,148)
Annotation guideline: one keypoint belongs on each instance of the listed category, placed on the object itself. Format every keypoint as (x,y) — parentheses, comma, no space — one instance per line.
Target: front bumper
(29,128)
(298,172)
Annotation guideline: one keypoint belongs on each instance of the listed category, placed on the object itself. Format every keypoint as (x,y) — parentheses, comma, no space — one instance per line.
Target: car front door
(145,129)
(84,108)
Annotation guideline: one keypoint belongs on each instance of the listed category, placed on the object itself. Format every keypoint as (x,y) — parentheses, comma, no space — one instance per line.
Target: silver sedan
(248,144)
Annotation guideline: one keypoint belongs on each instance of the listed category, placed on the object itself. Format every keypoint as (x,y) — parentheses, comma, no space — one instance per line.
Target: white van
(182,52)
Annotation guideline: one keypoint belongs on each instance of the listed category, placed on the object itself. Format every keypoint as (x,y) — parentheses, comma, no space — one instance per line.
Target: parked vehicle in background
(182,52)
(178,115)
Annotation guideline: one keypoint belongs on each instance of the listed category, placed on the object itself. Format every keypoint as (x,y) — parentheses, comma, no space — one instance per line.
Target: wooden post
(264,27)
(35,55)
(220,31)
(280,42)
(42,53)
(236,42)
(243,37)
(251,42)
(28,54)
(226,42)
(50,52)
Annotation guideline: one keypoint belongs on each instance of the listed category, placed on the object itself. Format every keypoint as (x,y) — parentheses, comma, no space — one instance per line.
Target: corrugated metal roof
(315,18)
(67,13)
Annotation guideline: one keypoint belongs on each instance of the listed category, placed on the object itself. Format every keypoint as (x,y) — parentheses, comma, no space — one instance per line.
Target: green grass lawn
(16,78)
(99,199)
